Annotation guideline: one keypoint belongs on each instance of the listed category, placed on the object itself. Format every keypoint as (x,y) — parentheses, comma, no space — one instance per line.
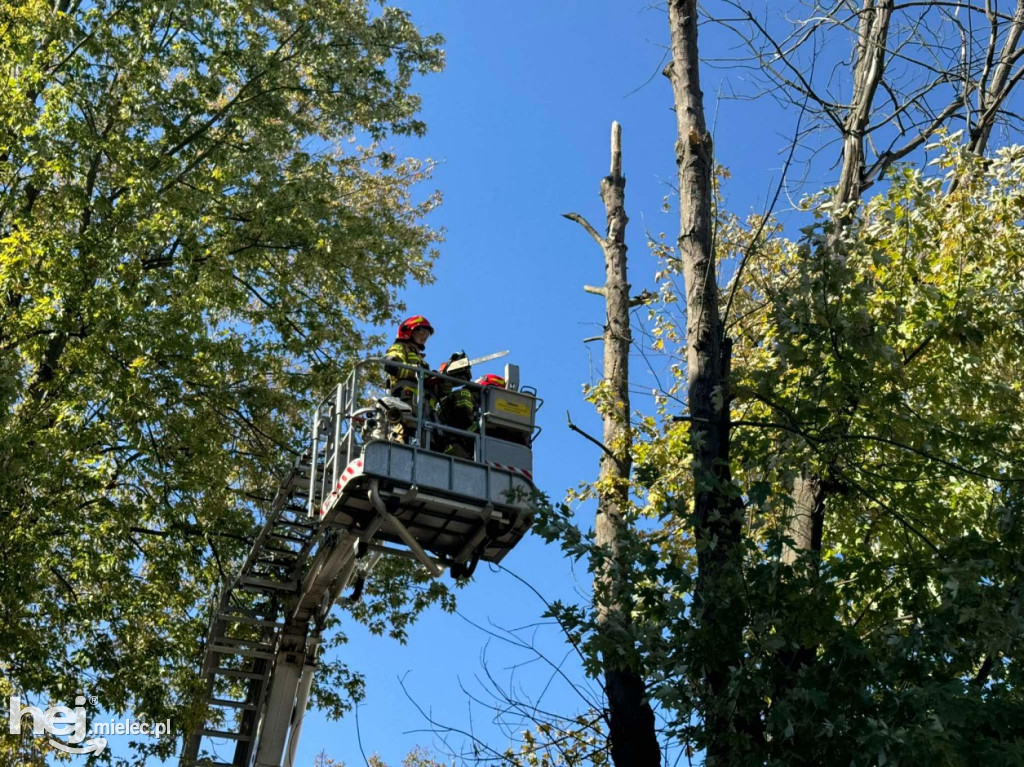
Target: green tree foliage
(889,361)
(197,223)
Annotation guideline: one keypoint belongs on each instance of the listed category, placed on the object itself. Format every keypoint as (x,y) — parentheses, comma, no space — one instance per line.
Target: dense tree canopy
(197,224)
(893,370)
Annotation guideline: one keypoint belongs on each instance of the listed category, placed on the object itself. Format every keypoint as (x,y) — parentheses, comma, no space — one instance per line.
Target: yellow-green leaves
(882,359)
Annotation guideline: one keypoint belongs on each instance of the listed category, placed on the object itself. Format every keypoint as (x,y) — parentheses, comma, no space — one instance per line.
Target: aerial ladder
(357,494)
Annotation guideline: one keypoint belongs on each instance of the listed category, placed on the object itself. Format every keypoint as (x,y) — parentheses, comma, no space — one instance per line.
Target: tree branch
(578,430)
(586,225)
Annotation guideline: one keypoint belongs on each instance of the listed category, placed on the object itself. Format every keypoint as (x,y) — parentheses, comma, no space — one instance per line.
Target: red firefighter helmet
(410,324)
(491,380)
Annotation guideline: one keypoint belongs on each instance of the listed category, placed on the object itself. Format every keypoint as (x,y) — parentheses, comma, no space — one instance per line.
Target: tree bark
(868,71)
(731,729)
(805,522)
(631,725)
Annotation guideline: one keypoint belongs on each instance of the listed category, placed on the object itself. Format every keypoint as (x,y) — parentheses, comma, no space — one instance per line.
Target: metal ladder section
(327,526)
(245,628)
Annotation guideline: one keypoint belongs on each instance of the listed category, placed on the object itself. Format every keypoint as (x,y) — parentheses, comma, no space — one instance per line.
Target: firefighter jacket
(402,382)
(460,409)
(405,353)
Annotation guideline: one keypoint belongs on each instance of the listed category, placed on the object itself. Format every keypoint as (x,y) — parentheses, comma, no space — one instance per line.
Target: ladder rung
(289,538)
(239,674)
(245,644)
(248,620)
(258,611)
(223,734)
(272,574)
(263,583)
(248,580)
(222,649)
(232,704)
(301,525)
(275,562)
(268,576)
(276,550)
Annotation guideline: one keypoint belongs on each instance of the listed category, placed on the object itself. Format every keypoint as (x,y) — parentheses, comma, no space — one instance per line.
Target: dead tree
(631,723)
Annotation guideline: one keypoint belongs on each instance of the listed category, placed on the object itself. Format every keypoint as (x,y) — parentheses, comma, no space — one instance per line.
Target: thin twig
(597,442)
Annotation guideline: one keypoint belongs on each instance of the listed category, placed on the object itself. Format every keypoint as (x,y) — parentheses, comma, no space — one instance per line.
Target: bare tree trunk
(806,520)
(631,724)
(731,728)
(869,68)
(995,92)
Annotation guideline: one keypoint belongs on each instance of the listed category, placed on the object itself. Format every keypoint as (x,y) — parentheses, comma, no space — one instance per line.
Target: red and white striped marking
(354,469)
(513,469)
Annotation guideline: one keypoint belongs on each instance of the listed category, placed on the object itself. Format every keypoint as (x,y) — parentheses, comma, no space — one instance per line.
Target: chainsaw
(465,363)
